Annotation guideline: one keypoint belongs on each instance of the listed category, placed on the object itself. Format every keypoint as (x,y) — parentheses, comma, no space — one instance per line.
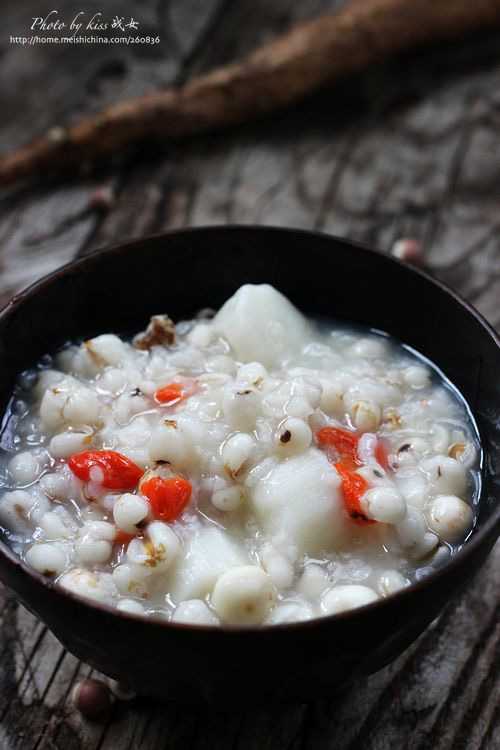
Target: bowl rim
(491,525)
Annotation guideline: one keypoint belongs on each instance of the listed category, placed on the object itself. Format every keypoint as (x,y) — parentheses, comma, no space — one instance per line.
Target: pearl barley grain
(129,511)
(100,529)
(91,551)
(313,582)
(106,349)
(291,611)
(449,517)
(194,612)
(131,606)
(16,508)
(130,579)
(416,376)
(252,374)
(58,524)
(277,566)
(446,475)
(243,596)
(293,436)
(341,598)
(332,398)
(413,535)
(366,415)
(236,451)
(58,485)
(369,348)
(169,443)
(82,407)
(24,468)
(160,550)
(48,559)
(228,498)
(391,581)
(384,504)
(94,585)
(65,444)
(51,408)
(240,407)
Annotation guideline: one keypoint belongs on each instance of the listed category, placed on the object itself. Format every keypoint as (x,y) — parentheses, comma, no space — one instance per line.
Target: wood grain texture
(409,149)
(276,75)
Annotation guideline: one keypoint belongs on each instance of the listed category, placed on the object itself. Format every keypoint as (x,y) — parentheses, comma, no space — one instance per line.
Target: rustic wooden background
(410,149)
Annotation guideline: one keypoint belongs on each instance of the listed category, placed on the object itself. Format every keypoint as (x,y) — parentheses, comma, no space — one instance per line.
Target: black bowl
(179,273)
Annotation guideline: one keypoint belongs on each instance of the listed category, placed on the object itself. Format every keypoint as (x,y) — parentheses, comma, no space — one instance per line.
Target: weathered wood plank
(42,229)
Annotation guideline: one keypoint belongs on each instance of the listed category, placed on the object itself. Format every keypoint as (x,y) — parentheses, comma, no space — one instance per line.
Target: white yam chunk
(299,500)
(201,335)
(209,554)
(221,364)
(262,325)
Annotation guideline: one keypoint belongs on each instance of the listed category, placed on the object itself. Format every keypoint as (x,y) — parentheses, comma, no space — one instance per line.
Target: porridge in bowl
(251,467)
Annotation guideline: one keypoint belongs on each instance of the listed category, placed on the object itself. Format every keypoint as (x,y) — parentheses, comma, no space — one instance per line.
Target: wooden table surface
(410,149)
